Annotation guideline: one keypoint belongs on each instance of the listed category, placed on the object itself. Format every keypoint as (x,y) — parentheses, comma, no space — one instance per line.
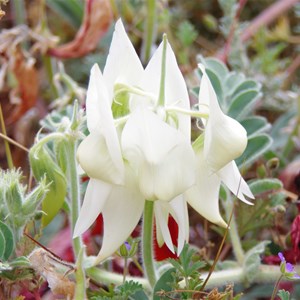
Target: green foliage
(71,10)
(186,33)
(6,242)
(129,290)
(187,269)
(43,165)
(265,185)
(283,295)
(252,261)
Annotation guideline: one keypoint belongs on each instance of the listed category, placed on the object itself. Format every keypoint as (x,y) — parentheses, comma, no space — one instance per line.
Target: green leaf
(265,185)
(216,83)
(248,84)
(215,65)
(242,103)
(9,241)
(232,80)
(164,283)
(283,295)
(252,261)
(71,11)
(255,125)
(2,245)
(256,147)
(42,165)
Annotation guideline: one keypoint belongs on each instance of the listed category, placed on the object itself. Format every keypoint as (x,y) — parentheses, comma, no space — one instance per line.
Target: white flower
(224,140)
(148,157)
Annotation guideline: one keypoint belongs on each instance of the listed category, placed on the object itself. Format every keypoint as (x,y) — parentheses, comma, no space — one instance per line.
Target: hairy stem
(147,243)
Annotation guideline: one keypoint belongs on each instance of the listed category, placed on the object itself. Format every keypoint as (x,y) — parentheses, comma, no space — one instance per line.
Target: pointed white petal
(162,230)
(95,197)
(123,64)
(121,213)
(100,123)
(175,88)
(158,152)
(225,138)
(204,195)
(97,98)
(233,179)
(180,214)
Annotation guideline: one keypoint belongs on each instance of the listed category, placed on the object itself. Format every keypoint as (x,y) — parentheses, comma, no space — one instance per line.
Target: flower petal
(180,214)
(175,88)
(204,195)
(103,135)
(163,235)
(123,64)
(232,178)
(95,197)
(121,213)
(225,138)
(158,153)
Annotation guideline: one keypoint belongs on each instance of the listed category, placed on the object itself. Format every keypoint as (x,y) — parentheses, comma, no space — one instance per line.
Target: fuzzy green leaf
(252,260)
(242,103)
(265,185)
(255,125)
(164,283)
(42,165)
(257,146)
(9,241)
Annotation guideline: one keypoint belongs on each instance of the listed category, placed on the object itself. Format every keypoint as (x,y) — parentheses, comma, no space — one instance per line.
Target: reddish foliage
(96,21)
(295,235)
(27,89)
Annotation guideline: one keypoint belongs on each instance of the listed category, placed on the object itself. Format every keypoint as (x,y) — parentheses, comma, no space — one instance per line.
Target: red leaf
(96,21)
(295,235)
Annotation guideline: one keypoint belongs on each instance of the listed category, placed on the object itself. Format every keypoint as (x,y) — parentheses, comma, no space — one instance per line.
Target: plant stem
(9,158)
(149,30)
(147,243)
(106,277)
(233,231)
(276,287)
(267,16)
(19,10)
(74,192)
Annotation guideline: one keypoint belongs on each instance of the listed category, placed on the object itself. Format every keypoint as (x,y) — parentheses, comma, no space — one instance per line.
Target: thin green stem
(233,231)
(106,277)
(9,158)
(276,287)
(149,30)
(125,269)
(192,113)
(147,243)
(47,62)
(19,12)
(161,98)
(74,192)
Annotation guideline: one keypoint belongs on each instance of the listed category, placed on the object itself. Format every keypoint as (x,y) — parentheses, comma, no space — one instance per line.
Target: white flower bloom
(147,159)
(224,140)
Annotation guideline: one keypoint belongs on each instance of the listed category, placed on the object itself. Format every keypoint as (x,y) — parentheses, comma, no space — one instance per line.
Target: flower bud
(42,165)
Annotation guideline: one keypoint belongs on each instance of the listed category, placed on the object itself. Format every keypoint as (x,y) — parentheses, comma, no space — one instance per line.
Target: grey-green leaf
(265,185)
(242,103)
(9,240)
(255,125)
(163,283)
(256,147)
